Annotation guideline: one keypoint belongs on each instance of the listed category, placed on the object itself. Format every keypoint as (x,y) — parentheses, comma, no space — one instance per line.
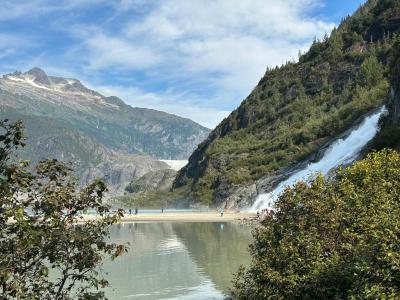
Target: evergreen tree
(371,72)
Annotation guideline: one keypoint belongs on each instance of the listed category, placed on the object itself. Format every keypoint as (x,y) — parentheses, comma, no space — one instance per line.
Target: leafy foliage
(45,253)
(334,238)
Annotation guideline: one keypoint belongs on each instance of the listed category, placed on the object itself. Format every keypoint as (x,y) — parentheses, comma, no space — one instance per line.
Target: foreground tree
(45,253)
(334,238)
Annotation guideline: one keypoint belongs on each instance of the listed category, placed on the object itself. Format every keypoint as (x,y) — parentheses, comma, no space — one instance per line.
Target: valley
(101,136)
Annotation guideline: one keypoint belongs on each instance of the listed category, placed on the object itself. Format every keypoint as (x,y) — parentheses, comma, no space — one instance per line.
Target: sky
(194,58)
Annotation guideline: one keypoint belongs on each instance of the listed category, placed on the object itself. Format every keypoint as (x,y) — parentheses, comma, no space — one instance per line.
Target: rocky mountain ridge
(106,119)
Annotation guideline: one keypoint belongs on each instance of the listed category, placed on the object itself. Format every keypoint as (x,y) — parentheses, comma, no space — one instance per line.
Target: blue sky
(194,58)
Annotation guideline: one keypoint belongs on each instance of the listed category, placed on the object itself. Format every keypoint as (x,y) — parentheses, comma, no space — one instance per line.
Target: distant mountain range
(102,136)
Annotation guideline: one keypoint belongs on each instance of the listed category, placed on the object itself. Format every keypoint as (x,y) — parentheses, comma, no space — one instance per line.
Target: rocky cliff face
(117,170)
(395,89)
(160,180)
(296,109)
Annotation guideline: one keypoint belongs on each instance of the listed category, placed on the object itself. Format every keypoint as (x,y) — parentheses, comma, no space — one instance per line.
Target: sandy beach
(181,217)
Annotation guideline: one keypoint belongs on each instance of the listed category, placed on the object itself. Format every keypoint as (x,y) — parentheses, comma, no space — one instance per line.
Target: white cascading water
(342,151)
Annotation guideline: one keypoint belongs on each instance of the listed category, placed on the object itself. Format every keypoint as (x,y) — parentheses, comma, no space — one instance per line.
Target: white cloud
(224,44)
(107,51)
(205,18)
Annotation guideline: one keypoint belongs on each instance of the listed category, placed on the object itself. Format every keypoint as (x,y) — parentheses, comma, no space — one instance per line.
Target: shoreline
(179,217)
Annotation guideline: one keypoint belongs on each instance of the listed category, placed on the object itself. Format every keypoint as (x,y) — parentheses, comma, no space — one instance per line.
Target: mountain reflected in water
(177,260)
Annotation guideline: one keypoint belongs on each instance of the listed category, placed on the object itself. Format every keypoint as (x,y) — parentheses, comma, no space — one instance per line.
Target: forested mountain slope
(296,109)
(389,135)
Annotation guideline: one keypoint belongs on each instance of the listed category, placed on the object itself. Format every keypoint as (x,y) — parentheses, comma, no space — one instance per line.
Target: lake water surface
(177,260)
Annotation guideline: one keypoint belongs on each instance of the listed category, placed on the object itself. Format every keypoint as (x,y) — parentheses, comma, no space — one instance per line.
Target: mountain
(297,110)
(107,120)
(102,136)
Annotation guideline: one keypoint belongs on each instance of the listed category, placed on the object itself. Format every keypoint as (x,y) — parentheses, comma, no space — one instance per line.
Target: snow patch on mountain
(56,87)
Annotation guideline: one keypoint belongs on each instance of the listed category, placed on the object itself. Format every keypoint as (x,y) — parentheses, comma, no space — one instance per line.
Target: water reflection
(176,260)
(217,248)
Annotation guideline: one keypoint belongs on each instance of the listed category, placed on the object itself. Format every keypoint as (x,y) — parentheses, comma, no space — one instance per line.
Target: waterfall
(342,151)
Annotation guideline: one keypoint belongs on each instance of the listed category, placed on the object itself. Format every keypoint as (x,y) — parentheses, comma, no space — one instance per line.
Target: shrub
(45,253)
(331,238)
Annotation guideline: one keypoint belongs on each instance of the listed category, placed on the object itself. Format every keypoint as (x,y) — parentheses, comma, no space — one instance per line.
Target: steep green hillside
(389,136)
(297,108)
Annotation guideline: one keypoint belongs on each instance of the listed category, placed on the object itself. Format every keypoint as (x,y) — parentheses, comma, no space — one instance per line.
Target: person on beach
(136,211)
(130,211)
(222,212)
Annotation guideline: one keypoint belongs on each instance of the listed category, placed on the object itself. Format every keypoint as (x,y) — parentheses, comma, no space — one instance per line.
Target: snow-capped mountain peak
(37,78)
